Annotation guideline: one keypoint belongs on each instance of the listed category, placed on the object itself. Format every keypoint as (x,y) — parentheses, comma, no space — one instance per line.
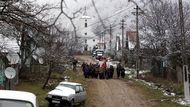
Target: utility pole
(116,44)
(110,36)
(102,40)
(103,37)
(184,56)
(127,42)
(119,43)
(137,40)
(123,28)
(137,36)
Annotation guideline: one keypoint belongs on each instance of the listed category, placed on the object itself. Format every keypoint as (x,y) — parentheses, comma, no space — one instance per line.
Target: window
(77,89)
(85,33)
(81,89)
(93,40)
(14,103)
(85,25)
(68,85)
(85,41)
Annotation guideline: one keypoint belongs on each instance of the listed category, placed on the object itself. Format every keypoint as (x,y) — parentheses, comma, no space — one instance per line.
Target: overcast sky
(118,9)
(106,8)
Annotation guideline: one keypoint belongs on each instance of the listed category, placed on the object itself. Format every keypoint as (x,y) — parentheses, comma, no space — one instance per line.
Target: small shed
(3,64)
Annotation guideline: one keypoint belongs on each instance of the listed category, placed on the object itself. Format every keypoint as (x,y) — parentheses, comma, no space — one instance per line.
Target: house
(12,50)
(87,37)
(3,64)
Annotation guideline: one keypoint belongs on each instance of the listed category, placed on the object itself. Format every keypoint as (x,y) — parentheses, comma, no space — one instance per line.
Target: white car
(67,93)
(10,98)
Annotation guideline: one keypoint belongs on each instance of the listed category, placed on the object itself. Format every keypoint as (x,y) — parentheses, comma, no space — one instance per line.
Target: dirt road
(113,93)
(86,59)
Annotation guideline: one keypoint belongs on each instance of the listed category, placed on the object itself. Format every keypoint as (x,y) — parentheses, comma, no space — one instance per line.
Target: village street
(113,92)
(94,53)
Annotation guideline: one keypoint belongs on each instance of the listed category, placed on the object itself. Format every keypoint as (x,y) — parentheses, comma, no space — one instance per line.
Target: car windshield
(68,85)
(14,103)
(99,51)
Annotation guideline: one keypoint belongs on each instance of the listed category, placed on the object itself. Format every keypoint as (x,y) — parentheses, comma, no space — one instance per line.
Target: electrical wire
(114,27)
(107,18)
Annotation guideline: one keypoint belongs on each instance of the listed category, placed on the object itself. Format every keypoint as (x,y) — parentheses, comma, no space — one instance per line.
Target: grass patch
(155,96)
(76,76)
(35,88)
(167,84)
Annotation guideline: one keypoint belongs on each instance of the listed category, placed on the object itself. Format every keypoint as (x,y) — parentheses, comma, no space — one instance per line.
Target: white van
(99,53)
(9,98)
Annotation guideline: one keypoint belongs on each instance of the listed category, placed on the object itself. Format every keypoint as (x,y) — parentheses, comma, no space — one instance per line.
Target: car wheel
(51,105)
(71,103)
(82,103)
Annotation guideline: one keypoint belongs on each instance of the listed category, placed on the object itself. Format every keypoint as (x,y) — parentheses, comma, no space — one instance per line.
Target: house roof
(131,39)
(9,44)
(131,36)
(85,17)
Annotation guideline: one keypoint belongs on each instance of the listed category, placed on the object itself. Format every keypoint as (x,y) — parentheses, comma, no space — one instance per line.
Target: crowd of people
(102,70)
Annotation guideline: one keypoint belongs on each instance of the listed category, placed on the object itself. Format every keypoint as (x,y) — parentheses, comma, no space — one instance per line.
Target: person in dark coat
(122,72)
(118,69)
(111,71)
(97,70)
(86,71)
(104,68)
(93,69)
(83,66)
(90,73)
(74,64)
(107,76)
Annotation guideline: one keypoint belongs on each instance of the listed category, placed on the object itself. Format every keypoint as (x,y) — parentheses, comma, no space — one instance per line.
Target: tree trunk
(48,77)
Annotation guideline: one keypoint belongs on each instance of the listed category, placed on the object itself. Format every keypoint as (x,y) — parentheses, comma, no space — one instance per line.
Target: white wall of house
(87,37)
(91,43)
(8,44)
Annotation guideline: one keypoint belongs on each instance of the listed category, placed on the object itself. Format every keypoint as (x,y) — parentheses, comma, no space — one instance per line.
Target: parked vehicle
(99,53)
(94,53)
(10,98)
(67,93)
(94,50)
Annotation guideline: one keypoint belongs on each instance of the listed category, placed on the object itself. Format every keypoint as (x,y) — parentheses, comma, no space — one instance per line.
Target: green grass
(36,89)
(155,96)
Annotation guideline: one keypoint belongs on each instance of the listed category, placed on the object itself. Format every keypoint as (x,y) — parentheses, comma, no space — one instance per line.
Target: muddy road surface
(113,92)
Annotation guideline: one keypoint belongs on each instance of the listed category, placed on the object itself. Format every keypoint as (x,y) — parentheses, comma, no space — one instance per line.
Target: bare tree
(161,32)
(27,23)
(55,51)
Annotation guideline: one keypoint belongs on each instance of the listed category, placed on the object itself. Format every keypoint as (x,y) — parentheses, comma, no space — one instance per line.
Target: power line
(113,27)
(98,14)
(107,18)
(113,15)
